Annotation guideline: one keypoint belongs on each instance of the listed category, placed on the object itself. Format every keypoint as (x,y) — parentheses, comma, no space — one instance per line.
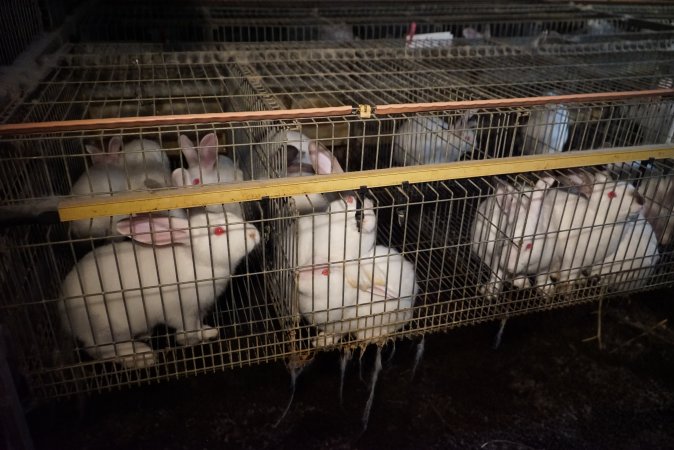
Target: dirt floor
(544,388)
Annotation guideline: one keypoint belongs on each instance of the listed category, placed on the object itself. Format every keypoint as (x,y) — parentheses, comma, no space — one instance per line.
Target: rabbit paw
(490,290)
(135,355)
(521,282)
(323,339)
(139,360)
(195,337)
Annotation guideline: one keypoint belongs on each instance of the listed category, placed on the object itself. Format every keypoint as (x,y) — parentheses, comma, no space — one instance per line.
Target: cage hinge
(364,111)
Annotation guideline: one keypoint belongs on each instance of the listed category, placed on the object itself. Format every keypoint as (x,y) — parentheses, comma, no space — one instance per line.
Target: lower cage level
(262,315)
(543,388)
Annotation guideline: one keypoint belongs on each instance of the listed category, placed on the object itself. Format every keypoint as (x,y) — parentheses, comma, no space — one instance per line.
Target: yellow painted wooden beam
(189,197)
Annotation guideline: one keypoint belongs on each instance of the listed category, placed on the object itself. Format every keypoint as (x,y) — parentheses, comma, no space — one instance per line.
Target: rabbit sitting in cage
(547,129)
(561,233)
(634,260)
(375,304)
(431,140)
(140,164)
(304,156)
(122,290)
(205,166)
(345,283)
(550,233)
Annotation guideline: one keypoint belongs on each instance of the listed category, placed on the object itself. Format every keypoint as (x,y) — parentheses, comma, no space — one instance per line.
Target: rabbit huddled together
(140,164)
(173,268)
(347,283)
(553,234)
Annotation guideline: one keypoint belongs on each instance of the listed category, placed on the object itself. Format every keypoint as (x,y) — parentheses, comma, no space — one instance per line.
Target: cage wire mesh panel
(403,260)
(124,300)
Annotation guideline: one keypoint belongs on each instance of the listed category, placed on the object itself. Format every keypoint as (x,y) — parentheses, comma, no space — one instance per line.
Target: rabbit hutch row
(266,183)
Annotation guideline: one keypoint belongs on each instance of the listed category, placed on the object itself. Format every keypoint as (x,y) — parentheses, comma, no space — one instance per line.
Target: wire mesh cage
(311,194)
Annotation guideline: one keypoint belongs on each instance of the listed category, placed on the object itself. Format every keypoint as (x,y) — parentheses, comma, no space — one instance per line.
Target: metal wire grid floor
(80,87)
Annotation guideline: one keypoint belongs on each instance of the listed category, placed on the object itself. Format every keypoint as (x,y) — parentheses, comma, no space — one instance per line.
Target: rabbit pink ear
(156,230)
(322,160)
(187,147)
(506,198)
(111,156)
(369,218)
(115,145)
(180,177)
(208,151)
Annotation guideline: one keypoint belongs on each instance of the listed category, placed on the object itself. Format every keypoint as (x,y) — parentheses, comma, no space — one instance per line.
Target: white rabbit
(304,157)
(336,235)
(492,228)
(138,165)
(562,233)
(146,165)
(122,290)
(431,140)
(547,129)
(634,260)
(658,192)
(205,166)
(388,286)
(371,302)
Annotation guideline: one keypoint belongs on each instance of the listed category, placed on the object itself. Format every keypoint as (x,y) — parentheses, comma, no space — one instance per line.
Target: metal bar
(525,101)
(139,202)
(151,121)
(132,122)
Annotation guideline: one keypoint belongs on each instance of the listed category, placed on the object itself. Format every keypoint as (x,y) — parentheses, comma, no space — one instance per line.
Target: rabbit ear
(180,177)
(97,156)
(189,151)
(322,160)
(368,221)
(115,145)
(111,156)
(208,151)
(506,199)
(156,230)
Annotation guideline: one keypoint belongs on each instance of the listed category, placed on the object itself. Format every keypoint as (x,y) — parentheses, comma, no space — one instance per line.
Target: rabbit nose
(253,235)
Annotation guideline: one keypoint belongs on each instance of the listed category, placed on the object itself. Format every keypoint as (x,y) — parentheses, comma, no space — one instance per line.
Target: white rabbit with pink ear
(138,165)
(493,229)
(387,289)
(431,140)
(205,166)
(634,260)
(547,129)
(122,290)
(563,233)
(306,156)
(105,176)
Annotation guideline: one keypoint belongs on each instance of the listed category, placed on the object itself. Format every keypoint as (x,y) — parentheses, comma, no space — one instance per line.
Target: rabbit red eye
(612,194)
(218,231)
(529,246)
(325,272)
(349,200)
(196,181)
